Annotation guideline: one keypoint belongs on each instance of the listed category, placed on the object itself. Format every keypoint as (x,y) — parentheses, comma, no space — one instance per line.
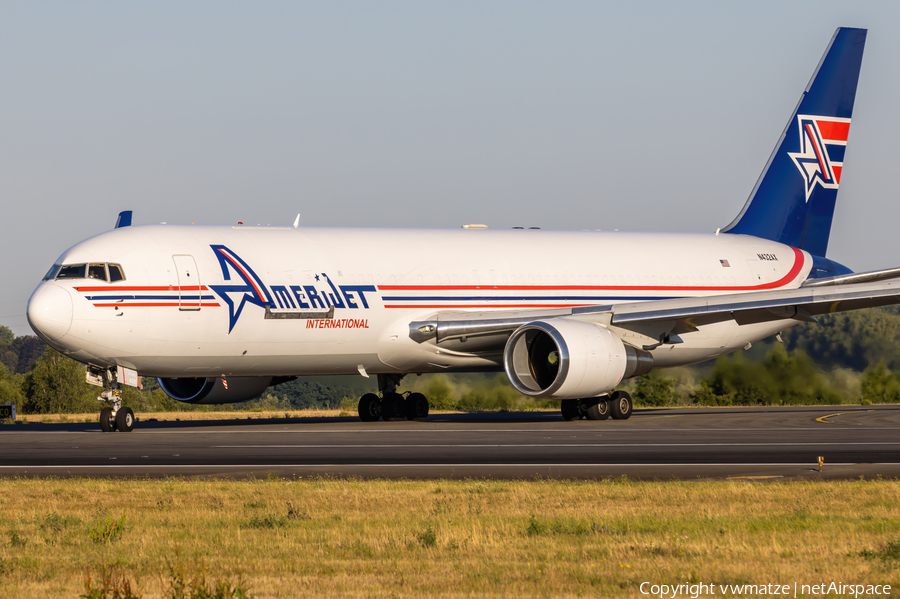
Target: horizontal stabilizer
(857,277)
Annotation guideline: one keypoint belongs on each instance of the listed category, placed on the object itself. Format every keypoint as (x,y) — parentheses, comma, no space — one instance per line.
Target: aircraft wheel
(369,408)
(393,407)
(598,409)
(125,420)
(107,420)
(416,407)
(569,409)
(621,405)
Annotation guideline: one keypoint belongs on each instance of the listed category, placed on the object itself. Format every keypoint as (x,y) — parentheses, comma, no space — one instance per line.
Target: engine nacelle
(212,390)
(570,359)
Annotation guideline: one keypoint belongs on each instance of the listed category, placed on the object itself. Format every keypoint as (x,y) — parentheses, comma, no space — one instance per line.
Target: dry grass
(340,538)
(188,415)
(201,415)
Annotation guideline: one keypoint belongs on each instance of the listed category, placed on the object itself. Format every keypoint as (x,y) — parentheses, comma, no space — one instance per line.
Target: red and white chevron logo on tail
(821,156)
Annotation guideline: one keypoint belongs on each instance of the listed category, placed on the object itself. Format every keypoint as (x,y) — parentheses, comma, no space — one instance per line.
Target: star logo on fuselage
(252,290)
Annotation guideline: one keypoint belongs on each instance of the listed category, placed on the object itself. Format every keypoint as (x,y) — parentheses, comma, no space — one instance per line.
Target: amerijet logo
(251,290)
(823,141)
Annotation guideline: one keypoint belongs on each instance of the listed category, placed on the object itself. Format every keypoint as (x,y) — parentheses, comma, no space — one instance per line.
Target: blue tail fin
(793,200)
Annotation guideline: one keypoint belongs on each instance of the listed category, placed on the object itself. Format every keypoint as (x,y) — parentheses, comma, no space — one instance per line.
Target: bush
(879,385)
(109,531)
(655,389)
(427,538)
(56,385)
(705,396)
(780,379)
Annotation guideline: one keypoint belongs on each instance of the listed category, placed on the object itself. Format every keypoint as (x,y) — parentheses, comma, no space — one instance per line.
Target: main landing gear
(618,405)
(115,418)
(391,405)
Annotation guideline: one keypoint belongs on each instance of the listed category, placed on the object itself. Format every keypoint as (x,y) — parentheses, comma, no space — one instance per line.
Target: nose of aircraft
(50,311)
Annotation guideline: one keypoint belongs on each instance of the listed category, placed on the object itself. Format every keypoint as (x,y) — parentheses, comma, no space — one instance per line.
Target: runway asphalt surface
(753,443)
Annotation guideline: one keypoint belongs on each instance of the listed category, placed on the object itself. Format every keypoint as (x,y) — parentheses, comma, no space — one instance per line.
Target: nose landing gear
(114,417)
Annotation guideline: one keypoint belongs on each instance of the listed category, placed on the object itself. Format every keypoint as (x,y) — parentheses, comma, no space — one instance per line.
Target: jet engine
(213,390)
(570,359)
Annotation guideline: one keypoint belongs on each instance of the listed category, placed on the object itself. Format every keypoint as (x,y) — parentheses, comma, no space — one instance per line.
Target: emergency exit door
(188,282)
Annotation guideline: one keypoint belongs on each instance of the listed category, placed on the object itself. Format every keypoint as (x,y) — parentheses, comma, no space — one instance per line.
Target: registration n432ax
(219,313)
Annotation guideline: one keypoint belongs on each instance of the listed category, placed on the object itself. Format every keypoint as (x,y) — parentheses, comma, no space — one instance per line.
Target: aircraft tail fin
(793,200)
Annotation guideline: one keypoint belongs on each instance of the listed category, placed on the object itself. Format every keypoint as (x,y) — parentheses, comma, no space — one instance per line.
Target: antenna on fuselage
(297,221)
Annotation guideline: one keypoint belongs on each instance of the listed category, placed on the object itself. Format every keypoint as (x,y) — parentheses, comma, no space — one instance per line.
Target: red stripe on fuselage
(155,305)
(151,288)
(483,305)
(795,270)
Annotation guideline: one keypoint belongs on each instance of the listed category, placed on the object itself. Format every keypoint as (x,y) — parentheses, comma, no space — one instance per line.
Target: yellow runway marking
(823,418)
(754,477)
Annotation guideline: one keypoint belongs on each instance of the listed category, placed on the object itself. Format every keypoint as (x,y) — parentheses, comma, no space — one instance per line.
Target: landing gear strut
(618,405)
(115,417)
(391,405)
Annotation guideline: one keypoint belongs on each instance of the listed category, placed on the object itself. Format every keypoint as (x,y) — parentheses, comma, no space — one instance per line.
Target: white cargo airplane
(220,313)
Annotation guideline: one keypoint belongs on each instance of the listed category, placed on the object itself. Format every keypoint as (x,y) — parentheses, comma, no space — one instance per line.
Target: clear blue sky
(629,115)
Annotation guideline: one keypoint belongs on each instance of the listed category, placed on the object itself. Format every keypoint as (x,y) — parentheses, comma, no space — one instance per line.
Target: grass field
(188,415)
(204,415)
(339,538)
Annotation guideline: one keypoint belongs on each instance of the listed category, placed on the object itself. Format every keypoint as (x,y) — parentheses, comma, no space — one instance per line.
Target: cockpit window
(52,272)
(71,271)
(115,273)
(97,271)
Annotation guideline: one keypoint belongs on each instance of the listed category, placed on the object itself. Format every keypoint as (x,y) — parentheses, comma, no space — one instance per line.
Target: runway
(753,443)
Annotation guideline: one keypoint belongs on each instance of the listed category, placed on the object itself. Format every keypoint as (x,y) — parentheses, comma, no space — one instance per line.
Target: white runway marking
(369,445)
(429,430)
(463,465)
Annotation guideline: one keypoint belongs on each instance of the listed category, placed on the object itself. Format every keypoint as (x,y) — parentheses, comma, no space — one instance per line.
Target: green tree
(29,349)
(655,389)
(6,335)
(494,393)
(879,385)
(705,396)
(782,378)
(11,388)
(56,385)
(856,339)
(439,393)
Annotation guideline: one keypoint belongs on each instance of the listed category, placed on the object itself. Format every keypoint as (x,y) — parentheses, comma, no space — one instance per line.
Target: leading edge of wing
(740,306)
(745,308)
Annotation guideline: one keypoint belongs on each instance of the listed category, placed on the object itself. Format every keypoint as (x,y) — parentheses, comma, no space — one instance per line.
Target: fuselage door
(188,282)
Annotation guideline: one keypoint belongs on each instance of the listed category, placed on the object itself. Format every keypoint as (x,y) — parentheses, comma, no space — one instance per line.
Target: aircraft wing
(660,321)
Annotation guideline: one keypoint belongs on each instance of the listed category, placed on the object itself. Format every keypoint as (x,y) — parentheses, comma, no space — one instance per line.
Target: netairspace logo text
(673,591)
